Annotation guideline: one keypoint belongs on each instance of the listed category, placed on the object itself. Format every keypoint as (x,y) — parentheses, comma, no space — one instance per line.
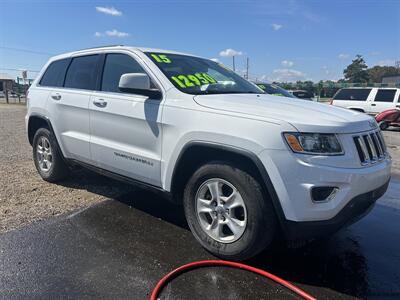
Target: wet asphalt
(120,248)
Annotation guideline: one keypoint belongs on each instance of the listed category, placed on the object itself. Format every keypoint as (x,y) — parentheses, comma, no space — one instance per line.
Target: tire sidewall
(44,132)
(252,195)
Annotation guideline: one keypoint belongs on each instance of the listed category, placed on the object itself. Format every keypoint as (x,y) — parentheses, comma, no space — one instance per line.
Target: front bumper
(293,180)
(354,210)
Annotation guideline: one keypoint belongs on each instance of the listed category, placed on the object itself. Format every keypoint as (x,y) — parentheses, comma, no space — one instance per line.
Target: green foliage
(376,73)
(357,71)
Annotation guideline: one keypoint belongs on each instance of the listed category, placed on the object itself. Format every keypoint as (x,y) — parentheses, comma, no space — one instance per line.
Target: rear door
(125,128)
(69,106)
(384,99)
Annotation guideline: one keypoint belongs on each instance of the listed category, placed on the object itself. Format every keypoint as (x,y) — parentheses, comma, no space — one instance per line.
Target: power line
(26,50)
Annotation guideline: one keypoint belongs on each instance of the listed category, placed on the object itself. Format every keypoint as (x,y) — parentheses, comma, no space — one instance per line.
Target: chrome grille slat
(377,145)
(380,136)
(364,149)
(370,147)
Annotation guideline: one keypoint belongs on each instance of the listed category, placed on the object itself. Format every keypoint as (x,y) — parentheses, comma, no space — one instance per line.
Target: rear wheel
(227,212)
(47,156)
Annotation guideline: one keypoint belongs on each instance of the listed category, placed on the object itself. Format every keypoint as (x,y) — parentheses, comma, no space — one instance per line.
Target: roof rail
(105,46)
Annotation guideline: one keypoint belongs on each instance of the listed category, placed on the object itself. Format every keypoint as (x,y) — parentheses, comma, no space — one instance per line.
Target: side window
(115,65)
(55,73)
(385,95)
(352,94)
(81,73)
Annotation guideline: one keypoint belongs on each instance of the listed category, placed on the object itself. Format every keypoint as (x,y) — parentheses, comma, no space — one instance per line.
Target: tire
(56,167)
(383,125)
(258,214)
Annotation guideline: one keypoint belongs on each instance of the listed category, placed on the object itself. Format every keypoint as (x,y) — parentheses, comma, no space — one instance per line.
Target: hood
(306,116)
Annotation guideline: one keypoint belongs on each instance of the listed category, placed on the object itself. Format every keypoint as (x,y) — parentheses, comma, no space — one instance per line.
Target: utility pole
(247,68)
(233,62)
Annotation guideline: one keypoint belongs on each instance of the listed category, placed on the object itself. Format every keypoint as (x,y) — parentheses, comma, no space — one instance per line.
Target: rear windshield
(352,94)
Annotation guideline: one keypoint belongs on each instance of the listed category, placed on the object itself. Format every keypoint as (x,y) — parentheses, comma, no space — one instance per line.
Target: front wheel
(227,211)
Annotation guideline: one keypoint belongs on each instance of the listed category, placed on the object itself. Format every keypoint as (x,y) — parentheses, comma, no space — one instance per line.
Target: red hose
(207,263)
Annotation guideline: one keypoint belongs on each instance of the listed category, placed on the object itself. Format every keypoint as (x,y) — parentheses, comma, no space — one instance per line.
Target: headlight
(314,143)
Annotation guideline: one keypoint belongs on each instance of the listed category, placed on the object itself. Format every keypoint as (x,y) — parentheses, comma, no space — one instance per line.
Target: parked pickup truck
(367,100)
(247,166)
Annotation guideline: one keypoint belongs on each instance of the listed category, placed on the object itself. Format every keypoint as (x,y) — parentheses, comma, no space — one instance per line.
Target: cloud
(215,59)
(276,27)
(386,62)
(343,56)
(112,33)
(230,52)
(116,33)
(109,11)
(288,75)
(287,63)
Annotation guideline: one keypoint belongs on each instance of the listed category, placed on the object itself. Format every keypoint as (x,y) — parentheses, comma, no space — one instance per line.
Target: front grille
(370,147)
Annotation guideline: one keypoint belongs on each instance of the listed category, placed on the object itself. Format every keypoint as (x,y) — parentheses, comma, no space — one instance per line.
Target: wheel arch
(196,153)
(35,122)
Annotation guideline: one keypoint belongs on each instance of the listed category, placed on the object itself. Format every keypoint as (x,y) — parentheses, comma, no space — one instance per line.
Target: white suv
(368,100)
(247,166)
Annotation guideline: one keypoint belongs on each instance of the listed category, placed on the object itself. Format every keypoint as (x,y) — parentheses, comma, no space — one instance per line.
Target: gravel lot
(26,198)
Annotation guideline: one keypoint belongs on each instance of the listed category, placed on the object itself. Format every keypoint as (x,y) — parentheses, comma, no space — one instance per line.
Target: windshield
(275,90)
(199,76)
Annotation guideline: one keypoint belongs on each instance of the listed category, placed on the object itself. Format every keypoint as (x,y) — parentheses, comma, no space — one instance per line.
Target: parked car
(368,100)
(389,117)
(248,167)
(302,94)
(273,89)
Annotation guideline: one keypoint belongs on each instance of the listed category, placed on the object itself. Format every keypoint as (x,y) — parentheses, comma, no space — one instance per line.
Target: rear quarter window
(352,94)
(55,73)
(385,95)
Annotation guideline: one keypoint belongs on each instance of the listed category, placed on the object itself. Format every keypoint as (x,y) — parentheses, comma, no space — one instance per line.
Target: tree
(376,73)
(356,72)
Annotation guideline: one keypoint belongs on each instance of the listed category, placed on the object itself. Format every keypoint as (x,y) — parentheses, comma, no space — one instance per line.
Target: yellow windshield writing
(161,58)
(191,80)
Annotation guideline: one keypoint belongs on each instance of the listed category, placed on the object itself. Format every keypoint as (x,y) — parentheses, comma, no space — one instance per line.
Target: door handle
(373,104)
(100,103)
(56,96)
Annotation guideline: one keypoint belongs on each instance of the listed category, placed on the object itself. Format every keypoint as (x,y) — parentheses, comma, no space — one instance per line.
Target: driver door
(125,128)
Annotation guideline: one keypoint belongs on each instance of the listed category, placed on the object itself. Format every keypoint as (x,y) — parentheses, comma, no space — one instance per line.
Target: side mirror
(138,83)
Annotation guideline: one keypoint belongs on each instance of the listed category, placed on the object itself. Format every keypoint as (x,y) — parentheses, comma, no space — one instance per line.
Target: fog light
(323,193)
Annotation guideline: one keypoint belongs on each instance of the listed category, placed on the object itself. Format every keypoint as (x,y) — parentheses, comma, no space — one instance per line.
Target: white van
(368,100)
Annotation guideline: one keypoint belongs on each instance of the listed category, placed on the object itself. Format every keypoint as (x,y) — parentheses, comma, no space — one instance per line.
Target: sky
(285,40)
